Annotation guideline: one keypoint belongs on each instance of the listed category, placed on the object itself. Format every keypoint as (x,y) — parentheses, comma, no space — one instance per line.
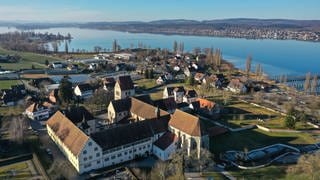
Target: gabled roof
(78,114)
(166,140)
(199,76)
(35,107)
(206,103)
(166,104)
(179,89)
(125,83)
(85,87)
(71,136)
(145,110)
(109,81)
(186,123)
(191,94)
(121,105)
(129,133)
(170,90)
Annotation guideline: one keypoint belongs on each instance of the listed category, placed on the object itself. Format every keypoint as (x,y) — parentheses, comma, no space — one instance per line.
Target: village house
(37,111)
(108,84)
(214,80)
(168,104)
(53,96)
(124,88)
(7,97)
(198,77)
(168,92)
(178,94)
(125,56)
(208,107)
(190,96)
(237,86)
(118,110)
(83,91)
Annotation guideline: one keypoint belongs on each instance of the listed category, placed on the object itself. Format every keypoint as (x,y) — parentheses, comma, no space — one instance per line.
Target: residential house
(37,111)
(109,83)
(167,104)
(83,91)
(237,86)
(118,110)
(198,77)
(214,80)
(189,130)
(208,107)
(168,92)
(53,96)
(178,94)
(190,96)
(8,98)
(124,88)
(125,56)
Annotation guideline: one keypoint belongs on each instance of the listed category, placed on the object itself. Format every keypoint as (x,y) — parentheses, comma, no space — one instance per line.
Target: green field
(15,171)
(6,84)
(270,172)
(27,60)
(146,83)
(252,139)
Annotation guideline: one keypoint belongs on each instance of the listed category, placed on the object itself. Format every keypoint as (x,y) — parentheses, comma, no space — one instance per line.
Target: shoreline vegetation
(276,29)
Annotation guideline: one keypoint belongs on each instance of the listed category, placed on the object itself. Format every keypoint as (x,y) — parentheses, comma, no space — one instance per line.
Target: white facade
(84,94)
(42,113)
(114,116)
(164,155)
(178,96)
(122,94)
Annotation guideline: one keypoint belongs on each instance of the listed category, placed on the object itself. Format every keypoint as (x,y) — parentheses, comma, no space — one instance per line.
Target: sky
(148,10)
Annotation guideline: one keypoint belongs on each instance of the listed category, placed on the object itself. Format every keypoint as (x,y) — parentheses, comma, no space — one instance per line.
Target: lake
(276,56)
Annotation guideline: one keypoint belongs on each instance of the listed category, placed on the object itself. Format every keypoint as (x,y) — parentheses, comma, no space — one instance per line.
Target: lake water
(276,56)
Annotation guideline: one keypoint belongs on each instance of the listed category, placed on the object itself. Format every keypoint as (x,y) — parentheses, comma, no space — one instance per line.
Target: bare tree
(248,65)
(314,85)
(17,128)
(175,46)
(306,86)
(308,167)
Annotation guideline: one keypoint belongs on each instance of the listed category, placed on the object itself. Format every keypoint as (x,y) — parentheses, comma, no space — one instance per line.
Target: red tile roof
(186,123)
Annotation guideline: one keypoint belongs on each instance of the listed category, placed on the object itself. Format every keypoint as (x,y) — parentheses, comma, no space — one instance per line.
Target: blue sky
(146,10)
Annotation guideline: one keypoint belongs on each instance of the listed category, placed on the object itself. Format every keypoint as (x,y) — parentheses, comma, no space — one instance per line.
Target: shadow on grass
(248,139)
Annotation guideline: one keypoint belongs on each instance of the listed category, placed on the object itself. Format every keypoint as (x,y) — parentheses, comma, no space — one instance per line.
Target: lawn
(146,83)
(270,172)
(6,84)
(11,110)
(15,171)
(213,175)
(27,60)
(252,139)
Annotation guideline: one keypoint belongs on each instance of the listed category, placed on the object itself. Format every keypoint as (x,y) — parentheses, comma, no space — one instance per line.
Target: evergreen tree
(65,90)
